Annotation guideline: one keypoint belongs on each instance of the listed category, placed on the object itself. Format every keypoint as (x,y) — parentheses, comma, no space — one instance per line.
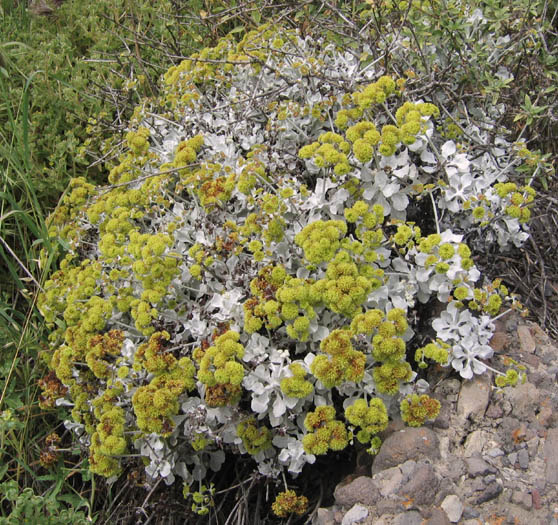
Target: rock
(494,411)
(474,396)
(360,490)
(422,487)
(551,455)
(324,517)
(525,400)
(523,458)
(409,443)
(536,499)
(475,443)
(408,468)
(495,452)
(383,520)
(469,512)
(437,517)
(453,508)
(499,341)
(493,490)
(526,340)
(476,466)
(356,514)
(408,518)
(522,498)
(389,481)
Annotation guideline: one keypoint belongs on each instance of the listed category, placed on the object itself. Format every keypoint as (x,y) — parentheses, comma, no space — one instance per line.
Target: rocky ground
(491,457)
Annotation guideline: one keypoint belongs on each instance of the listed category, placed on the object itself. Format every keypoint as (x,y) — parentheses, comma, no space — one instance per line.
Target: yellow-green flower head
(387,347)
(255,439)
(359,130)
(320,240)
(363,150)
(389,376)
(367,322)
(372,417)
(288,502)
(437,352)
(415,409)
(296,386)
(404,233)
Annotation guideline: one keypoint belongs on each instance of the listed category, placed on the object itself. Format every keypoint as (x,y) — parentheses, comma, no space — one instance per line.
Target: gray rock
(422,487)
(475,442)
(408,518)
(525,400)
(551,455)
(437,517)
(474,397)
(512,458)
(476,466)
(522,498)
(494,411)
(523,458)
(408,468)
(526,340)
(324,517)
(470,512)
(389,481)
(453,507)
(409,443)
(495,452)
(355,514)
(360,490)
(492,491)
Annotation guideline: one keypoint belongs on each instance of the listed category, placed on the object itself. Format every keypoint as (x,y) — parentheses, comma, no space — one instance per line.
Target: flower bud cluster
(220,371)
(255,439)
(371,417)
(324,431)
(339,361)
(415,409)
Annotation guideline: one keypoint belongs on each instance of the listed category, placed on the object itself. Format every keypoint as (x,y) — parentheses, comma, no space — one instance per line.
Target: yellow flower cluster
(296,385)
(262,308)
(155,404)
(388,348)
(138,141)
(341,361)
(406,236)
(439,253)
(520,199)
(437,352)
(108,441)
(288,502)
(375,93)
(371,417)
(330,150)
(320,240)
(415,409)
(345,287)
(255,439)
(325,432)
(219,369)
(152,356)
(100,347)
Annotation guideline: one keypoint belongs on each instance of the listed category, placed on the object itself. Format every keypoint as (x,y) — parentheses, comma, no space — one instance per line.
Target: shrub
(250,279)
